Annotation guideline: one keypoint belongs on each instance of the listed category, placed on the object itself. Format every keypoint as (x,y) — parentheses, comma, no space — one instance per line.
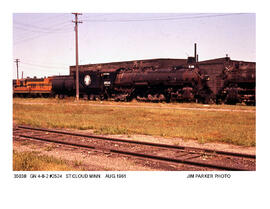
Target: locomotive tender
(213,81)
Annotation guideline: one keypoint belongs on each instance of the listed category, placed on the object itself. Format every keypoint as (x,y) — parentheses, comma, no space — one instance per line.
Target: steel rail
(143,143)
(200,164)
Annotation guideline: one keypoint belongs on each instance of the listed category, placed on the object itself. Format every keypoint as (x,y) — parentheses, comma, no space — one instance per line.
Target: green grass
(32,161)
(205,126)
(70,100)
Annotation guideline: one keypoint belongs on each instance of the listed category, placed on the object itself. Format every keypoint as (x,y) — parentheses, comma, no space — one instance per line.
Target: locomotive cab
(107,78)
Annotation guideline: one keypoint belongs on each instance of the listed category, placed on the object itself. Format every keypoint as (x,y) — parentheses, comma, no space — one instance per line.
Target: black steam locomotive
(180,83)
(231,81)
(214,81)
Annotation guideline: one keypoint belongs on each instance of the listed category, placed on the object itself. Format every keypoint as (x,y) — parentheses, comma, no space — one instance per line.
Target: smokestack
(195,52)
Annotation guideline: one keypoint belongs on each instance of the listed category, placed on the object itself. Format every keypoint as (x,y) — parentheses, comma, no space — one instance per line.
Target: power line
(30,38)
(40,28)
(41,62)
(41,69)
(37,36)
(46,18)
(43,66)
(174,15)
(40,17)
(163,19)
(38,31)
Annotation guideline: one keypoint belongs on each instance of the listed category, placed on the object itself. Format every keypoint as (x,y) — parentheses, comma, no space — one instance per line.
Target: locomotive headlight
(87,80)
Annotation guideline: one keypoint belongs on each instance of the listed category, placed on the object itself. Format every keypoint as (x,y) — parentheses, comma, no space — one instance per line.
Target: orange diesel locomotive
(32,87)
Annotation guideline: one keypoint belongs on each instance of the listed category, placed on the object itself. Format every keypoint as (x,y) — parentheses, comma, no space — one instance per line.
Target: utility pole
(77,56)
(17,61)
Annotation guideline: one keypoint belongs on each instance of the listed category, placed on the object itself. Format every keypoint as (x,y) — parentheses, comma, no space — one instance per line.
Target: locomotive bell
(87,80)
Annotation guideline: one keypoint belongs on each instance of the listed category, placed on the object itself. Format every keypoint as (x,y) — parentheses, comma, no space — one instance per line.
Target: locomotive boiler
(182,83)
(178,83)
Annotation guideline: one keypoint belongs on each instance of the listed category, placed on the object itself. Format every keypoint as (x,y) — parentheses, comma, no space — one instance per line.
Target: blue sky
(45,42)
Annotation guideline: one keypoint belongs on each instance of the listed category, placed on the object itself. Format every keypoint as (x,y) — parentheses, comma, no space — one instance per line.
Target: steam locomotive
(231,82)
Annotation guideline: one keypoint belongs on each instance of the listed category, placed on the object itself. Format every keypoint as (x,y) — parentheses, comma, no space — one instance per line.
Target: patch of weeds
(77,163)
(24,143)
(202,140)
(32,161)
(49,148)
(111,130)
(176,143)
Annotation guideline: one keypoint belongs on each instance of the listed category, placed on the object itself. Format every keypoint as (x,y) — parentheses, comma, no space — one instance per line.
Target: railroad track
(206,158)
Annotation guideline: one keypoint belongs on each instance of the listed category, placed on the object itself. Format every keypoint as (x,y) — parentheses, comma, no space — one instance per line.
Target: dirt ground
(179,142)
(94,160)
